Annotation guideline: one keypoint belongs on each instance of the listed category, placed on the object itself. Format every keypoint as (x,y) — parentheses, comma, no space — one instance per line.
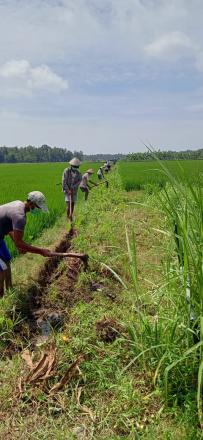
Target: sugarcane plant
(182,201)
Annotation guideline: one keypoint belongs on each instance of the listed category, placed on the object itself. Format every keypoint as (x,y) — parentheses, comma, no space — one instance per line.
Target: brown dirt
(41,314)
(65,285)
(49,270)
(62,276)
(108,329)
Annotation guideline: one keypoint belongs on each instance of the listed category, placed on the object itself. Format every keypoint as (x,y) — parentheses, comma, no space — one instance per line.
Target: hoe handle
(70,255)
(71,206)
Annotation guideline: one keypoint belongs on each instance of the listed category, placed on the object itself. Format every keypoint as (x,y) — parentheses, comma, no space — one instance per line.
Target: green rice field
(136,175)
(17,180)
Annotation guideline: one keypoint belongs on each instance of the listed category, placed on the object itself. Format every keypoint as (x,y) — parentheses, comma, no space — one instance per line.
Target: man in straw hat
(12,223)
(84,185)
(70,182)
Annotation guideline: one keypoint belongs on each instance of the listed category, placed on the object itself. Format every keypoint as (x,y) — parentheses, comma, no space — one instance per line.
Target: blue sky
(101,75)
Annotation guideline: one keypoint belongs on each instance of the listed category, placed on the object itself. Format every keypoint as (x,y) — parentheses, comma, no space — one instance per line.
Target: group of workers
(103,169)
(13,215)
(72,180)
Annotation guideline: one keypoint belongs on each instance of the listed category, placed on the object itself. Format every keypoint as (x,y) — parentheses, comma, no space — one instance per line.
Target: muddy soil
(40,314)
(37,291)
(45,306)
(108,329)
(44,314)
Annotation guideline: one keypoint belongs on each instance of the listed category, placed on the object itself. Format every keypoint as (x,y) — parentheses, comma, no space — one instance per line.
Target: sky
(104,76)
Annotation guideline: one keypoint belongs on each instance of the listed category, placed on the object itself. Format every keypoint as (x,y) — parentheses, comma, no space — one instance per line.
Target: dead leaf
(19,390)
(27,358)
(43,368)
(78,394)
(84,408)
(68,374)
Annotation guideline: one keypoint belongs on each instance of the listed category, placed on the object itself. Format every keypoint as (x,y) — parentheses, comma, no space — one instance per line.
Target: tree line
(103,157)
(166,155)
(33,154)
(45,153)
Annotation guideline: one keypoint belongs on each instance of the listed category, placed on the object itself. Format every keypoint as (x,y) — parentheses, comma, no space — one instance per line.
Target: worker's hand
(46,253)
(70,192)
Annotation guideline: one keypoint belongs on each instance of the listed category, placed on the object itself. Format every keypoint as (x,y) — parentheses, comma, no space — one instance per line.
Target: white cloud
(174,44)
(33,78)
(122,58)
(42,77)
(15,69)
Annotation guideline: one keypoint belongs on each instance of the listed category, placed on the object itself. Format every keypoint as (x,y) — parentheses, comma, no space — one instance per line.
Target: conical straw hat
(90,171)
(75,162)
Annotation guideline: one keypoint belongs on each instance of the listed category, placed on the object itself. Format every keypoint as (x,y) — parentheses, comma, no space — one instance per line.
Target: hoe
(83,257)
(105,182)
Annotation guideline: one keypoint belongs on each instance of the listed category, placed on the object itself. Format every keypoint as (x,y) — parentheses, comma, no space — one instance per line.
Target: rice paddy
(137,175)
(17,180)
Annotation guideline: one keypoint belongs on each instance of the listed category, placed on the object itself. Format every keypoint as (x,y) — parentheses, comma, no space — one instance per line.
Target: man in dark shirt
(12,223)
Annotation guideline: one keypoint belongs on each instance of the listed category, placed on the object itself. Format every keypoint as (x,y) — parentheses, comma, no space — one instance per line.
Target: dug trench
(40,315)
(41,312)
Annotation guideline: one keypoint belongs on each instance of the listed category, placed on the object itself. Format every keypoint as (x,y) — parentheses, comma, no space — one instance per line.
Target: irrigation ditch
(45,315)
(41,315)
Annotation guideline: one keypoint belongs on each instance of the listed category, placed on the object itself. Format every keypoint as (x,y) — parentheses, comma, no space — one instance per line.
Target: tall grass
(183,205)
(171,343)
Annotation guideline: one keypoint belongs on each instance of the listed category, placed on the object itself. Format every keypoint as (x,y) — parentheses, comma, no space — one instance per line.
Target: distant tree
(1,157)
(78,154)
(102,157)
(11,158)
(45,153)
(166,155)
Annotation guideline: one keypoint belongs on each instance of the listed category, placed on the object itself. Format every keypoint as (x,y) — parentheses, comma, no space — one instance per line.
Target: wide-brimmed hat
(75,162)
(90,171)
(39,199)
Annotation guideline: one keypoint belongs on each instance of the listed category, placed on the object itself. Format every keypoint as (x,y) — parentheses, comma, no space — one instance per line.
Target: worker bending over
(100,172)
(84,185)
(12,223)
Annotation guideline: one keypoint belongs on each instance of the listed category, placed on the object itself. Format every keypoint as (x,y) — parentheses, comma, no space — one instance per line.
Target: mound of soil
(108,329)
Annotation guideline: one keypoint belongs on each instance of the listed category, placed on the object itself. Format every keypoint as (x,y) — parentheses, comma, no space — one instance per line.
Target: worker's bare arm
(11,235)
(93,183)
(24,247)
(17,237)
